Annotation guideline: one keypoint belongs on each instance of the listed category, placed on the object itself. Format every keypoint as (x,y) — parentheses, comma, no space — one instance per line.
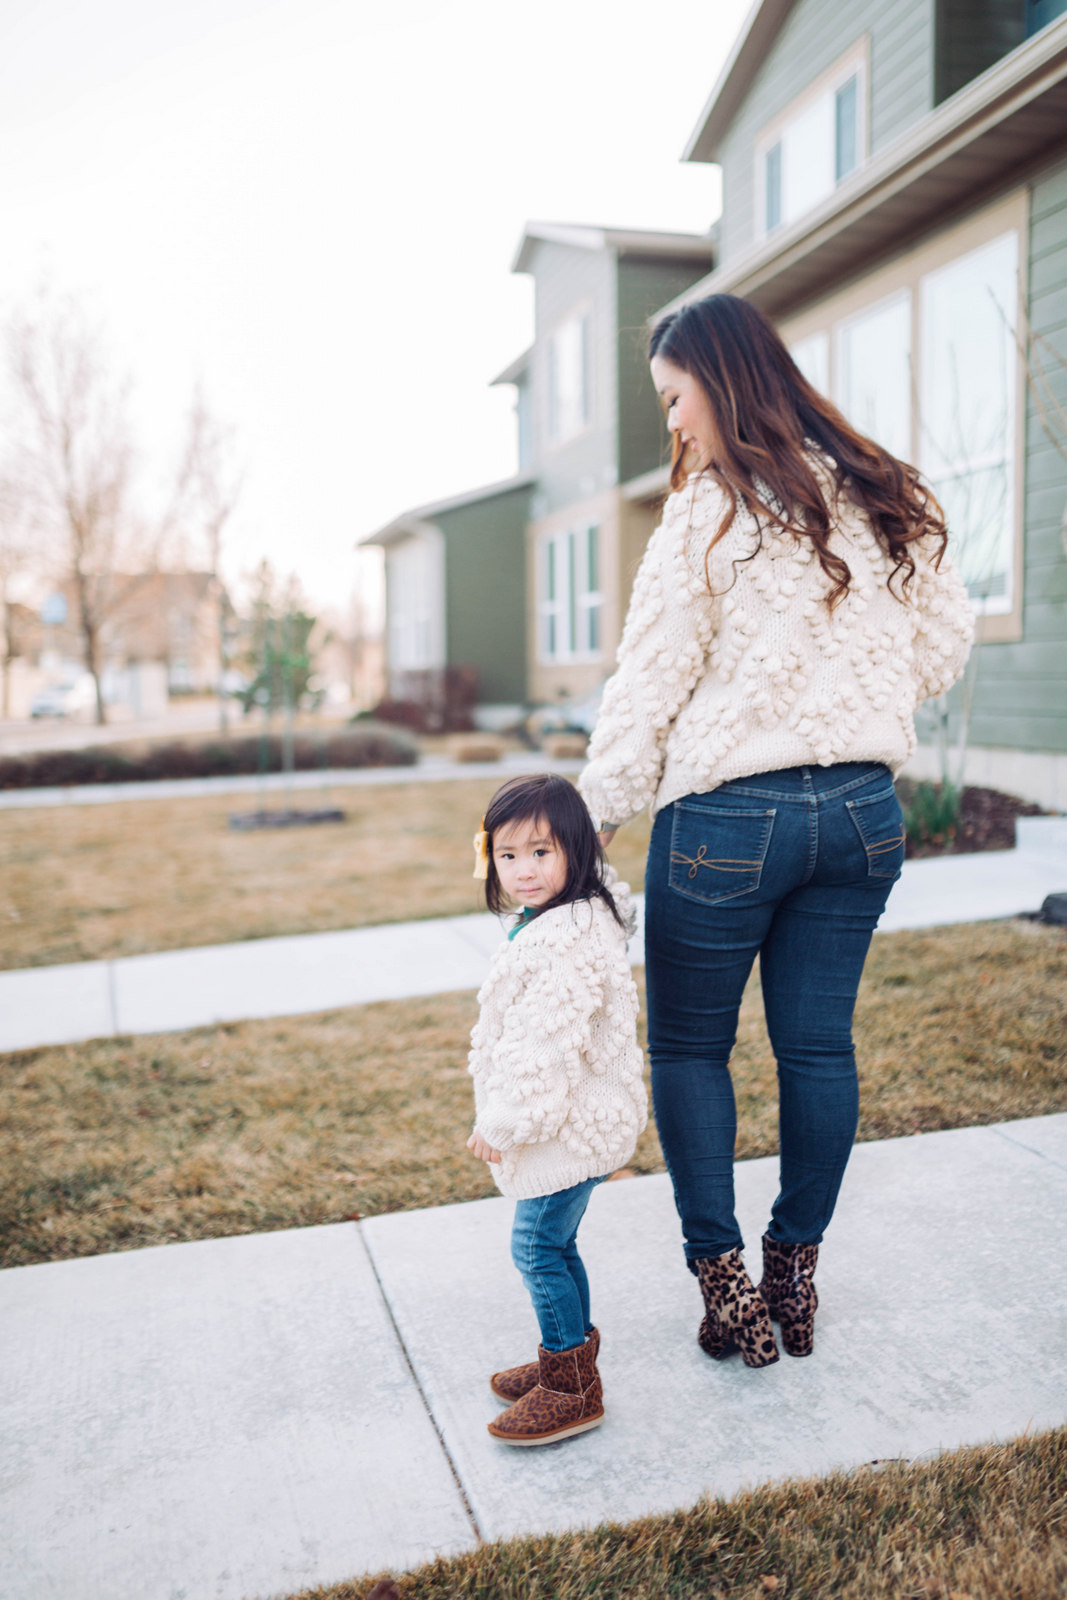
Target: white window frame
(999,617)
(570,618)
(561,431)
(855,62)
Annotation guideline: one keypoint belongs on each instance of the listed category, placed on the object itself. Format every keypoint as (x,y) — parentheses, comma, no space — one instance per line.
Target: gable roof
(758,32)
(415,521)
(624,241)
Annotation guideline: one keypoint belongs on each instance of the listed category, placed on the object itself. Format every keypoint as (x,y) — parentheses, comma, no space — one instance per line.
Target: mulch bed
(987,821)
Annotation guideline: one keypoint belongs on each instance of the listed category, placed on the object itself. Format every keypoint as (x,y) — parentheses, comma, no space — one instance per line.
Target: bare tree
(16,560)
(210,484)
(77,463)
(1044,364)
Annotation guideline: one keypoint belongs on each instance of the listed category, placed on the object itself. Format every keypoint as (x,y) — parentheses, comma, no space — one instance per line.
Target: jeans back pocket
(717,853)
(880,825)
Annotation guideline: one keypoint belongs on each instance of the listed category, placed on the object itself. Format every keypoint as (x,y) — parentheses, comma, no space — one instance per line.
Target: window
(812,356)
(569,596)
(922,356)
(873,377)
(568,379)
(967,409)
(415,588)
(806,152)
(846,129)
(773,185)
(1039,13)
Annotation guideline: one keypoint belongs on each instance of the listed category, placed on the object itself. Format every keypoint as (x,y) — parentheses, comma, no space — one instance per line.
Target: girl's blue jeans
(794,866)
(544,1248)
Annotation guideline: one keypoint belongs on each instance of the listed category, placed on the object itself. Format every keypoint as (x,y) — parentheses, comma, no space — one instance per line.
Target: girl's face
(530,864)
(689,411)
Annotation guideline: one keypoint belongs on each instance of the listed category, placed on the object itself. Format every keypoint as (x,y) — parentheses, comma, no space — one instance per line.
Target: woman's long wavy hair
(767,416)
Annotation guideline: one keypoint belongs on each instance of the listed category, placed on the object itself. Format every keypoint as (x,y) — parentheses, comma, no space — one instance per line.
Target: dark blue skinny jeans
(795,866)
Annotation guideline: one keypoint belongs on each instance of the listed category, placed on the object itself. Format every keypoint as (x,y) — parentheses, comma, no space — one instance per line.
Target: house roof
(414,521)
(990,136)
(758,33)
(514,370)
(624,241)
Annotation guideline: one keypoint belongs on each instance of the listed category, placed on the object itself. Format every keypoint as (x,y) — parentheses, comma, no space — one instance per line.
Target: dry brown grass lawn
(979,1524)
(126,1142)
(83,883)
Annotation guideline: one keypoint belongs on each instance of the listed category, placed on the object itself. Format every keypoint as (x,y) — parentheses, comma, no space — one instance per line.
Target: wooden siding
(569,279)
(643,286)
(1021,689)
(485,592)
(816,33)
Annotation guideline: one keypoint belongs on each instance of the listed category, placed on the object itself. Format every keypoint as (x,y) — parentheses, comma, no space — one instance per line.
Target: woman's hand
(478,1147)
(606,837)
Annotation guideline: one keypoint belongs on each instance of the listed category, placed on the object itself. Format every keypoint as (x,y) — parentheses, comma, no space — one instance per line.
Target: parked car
(70,697)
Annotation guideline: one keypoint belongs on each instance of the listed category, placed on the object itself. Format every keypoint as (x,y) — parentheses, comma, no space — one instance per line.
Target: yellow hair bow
(481,852)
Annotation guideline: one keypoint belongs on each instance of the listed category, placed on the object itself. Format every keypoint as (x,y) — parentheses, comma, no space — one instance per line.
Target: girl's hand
(607,836)
(478,1147)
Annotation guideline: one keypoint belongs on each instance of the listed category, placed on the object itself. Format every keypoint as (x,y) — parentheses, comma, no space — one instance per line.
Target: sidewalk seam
(461,1491)
(1030,1149)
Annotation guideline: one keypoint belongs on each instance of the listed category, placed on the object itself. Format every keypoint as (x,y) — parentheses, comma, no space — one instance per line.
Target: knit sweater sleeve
(525,1066)
(945,627)
(669,628)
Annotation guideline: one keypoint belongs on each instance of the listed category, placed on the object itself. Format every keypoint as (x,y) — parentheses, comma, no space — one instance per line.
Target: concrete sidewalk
(249,1416)
(322,971)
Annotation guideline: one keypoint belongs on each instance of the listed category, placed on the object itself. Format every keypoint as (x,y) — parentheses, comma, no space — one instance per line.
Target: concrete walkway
(322,971)
(245,1417)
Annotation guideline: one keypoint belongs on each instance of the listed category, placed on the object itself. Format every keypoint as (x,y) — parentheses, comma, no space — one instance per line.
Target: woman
(792,610)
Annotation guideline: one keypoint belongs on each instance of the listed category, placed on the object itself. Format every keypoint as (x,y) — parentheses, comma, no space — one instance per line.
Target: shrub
(933,814)
(368,745)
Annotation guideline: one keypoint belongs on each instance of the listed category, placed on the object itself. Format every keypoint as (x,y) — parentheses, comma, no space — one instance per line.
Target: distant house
(895,196)
(524,584)
(172,618)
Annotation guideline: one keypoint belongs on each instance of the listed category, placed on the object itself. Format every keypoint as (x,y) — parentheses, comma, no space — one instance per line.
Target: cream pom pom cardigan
(757,673)
(554,1056)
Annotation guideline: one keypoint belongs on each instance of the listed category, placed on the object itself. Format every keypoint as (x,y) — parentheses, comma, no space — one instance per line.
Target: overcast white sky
(312,206)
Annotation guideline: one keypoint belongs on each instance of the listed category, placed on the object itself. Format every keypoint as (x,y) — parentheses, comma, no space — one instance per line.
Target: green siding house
(524,584)
(895,196)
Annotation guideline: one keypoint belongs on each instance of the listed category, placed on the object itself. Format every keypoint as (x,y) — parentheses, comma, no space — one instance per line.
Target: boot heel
(798,1338)
(756,1342)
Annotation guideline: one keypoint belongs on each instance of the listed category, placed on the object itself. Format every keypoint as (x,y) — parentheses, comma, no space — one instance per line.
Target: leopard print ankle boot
(513,1383)
(735,1316)
(567,1399)
(789,1290)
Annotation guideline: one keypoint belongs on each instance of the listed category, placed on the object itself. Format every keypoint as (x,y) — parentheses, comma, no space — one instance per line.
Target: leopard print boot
(735,1316)
(789,1290)
(512,1384)
(567,1399)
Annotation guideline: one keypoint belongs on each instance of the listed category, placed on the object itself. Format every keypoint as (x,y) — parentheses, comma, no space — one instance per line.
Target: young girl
(559,1095)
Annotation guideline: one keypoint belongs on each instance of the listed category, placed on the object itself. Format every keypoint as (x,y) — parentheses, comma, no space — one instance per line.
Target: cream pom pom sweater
(558,1088)
(757,673)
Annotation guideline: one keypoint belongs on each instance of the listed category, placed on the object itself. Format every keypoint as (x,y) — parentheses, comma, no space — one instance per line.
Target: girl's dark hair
(551,801)
(767,415)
